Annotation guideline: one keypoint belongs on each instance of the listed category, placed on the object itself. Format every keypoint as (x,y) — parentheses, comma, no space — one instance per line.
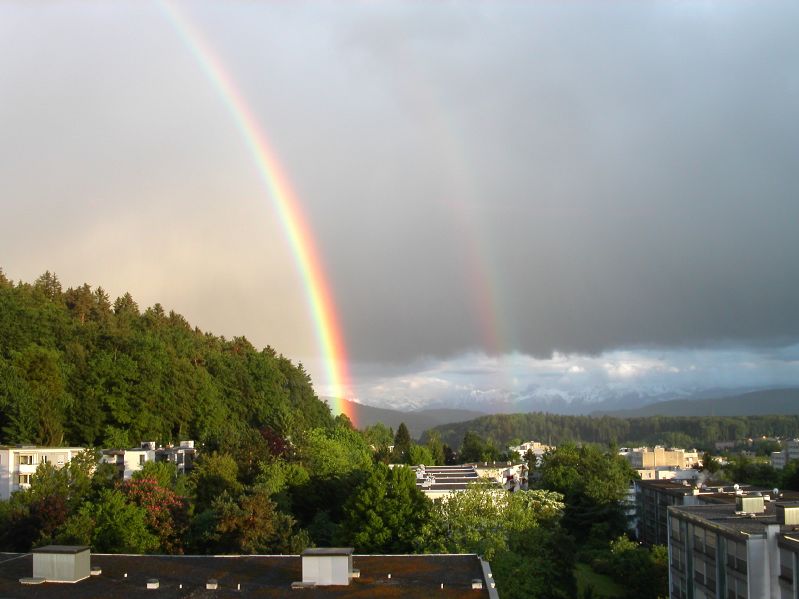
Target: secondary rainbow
(295,225)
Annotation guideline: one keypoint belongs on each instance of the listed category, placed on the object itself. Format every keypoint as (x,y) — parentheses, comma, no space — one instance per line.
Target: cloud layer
(483,179)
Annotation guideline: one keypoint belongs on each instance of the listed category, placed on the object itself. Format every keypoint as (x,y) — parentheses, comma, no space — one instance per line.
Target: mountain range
(704,403)
(417,421)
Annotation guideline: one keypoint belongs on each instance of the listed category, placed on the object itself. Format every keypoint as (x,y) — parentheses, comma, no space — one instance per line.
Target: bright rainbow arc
(320,299)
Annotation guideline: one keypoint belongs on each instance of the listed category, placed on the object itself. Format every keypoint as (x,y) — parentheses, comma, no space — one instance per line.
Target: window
(736,589)
(786,565)
(24,479)
(736,556)
(142,459)
(44,459)
(26,460)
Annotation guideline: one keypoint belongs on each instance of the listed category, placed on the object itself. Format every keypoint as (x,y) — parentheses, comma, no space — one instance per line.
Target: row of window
(29,459)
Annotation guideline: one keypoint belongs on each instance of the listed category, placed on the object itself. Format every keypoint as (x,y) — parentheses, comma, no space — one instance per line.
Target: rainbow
(288,207)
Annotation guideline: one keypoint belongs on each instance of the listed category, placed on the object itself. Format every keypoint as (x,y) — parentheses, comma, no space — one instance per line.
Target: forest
(276,472)
(695,431)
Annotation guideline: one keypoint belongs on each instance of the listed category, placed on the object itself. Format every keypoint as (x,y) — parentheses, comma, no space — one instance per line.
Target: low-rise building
(438,482)
(19,463)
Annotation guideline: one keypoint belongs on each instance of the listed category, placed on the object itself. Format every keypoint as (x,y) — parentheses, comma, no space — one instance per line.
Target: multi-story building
(643,458)
(743,550)
(19,463)
(132,460)
(655,497)
(789,452)
(538,449)
(789,565)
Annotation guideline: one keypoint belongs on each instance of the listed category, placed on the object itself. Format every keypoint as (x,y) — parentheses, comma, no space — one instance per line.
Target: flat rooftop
(259,576)
(723,517)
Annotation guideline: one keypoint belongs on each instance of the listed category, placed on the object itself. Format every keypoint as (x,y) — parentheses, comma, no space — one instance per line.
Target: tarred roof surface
(259,576)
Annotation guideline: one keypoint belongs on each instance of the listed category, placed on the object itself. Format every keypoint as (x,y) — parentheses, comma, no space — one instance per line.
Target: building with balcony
(19,463)
(129,461)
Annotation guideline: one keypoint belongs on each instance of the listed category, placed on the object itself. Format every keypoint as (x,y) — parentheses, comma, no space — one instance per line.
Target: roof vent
(788,514)
(324,566)
(62,563)
(749,504)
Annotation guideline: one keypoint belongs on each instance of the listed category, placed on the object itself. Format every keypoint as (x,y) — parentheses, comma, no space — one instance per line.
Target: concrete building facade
(18,464)
(733,551)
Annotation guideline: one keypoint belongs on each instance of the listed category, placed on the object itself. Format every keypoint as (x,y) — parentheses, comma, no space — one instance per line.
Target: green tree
(213,475)
(386,512)
(436,448)
(111,525)
(419,454)
(482,518)
(402,445)
(538,564)
(594,485)
(249,524)
(476,449)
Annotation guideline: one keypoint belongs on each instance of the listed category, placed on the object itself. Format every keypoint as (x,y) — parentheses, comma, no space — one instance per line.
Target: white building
(644,458)
(132,460)
(19,463)
(538,449)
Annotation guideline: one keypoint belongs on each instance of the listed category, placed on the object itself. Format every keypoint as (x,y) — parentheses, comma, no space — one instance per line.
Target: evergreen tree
(402,444)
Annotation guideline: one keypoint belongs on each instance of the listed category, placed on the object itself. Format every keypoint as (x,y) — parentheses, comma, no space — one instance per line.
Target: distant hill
(766,402)
(417,421)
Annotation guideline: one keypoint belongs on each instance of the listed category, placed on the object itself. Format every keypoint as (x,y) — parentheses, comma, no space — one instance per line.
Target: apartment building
(132,460)
(654,497)
(19,463)
(538,449)
(644,458)
(788,579)
(438,482)
(742,550)
(789,452)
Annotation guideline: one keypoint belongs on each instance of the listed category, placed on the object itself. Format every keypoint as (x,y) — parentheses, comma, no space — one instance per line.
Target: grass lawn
(603,585)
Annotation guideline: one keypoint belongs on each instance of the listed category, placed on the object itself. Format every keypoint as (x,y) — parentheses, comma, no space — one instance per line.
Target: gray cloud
(607,175)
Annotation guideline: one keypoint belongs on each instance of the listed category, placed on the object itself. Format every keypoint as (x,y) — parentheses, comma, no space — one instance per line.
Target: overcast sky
(490,184)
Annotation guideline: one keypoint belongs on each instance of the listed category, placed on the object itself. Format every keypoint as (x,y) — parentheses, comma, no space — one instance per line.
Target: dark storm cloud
(597,175)
(629,171)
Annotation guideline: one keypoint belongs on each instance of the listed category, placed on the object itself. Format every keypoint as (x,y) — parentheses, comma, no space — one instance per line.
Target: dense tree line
(79,369)
(276,472)
(694,431)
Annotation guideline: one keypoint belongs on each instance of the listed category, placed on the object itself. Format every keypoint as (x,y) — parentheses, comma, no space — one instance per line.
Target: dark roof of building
(258,576)
(790,541)
(62,549)
(328,551)
(723,516)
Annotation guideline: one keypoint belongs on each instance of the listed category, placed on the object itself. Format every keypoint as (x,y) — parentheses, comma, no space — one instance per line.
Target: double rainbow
(288,207)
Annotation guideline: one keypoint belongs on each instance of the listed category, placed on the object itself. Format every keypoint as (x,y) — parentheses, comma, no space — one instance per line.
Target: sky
(508,198)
